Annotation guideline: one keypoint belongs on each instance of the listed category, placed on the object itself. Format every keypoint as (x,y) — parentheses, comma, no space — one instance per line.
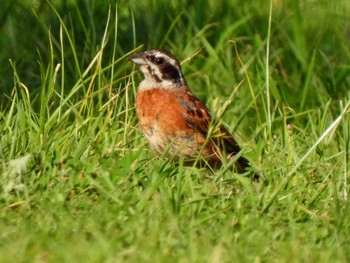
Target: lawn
(78,181)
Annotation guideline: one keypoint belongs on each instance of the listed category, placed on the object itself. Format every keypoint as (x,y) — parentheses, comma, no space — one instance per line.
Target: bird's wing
(197,117)
(195,114)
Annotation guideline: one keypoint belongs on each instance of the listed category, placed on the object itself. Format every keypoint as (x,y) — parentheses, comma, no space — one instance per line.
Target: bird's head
(160,68)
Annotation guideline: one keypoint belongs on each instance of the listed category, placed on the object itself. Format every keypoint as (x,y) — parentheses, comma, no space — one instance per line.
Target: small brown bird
(173,119)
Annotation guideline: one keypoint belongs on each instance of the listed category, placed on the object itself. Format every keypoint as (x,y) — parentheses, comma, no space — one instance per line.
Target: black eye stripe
(164,68)
(170,72)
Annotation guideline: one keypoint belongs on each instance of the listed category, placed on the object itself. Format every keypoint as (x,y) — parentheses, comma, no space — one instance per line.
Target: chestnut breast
(161,119)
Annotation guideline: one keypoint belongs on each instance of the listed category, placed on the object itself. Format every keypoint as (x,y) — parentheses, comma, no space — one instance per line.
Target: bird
(174,121)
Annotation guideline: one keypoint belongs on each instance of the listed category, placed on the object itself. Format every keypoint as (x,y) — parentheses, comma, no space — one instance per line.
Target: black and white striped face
(161,69)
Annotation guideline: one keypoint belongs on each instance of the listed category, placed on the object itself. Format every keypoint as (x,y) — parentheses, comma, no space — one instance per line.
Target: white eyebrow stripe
(159,54)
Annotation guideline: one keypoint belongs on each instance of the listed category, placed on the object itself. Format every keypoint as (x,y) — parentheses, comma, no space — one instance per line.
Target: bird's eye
(159,61)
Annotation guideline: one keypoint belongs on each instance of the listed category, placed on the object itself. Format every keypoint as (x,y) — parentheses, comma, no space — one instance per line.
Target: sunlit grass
(78,181)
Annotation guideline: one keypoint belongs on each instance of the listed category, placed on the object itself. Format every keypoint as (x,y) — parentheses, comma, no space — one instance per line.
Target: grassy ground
(78,182)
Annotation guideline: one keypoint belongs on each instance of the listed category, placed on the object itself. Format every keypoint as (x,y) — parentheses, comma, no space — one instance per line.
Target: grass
(78,181)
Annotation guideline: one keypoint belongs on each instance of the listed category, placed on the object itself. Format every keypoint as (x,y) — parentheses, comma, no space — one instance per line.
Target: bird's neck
(148,84)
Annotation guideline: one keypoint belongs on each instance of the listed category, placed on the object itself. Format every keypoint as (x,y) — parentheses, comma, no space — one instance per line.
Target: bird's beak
(138,59)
